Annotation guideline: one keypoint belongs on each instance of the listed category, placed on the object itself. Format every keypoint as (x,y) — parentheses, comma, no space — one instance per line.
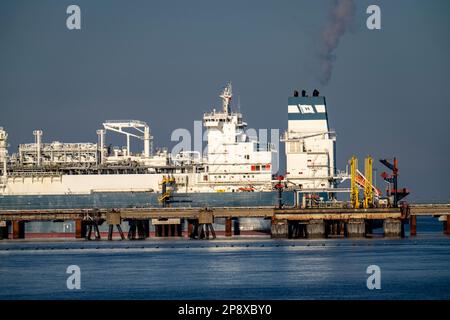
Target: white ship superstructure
(233,163)
(233,158)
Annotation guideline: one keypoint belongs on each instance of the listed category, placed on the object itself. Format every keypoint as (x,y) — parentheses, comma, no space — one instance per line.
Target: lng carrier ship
(236,170)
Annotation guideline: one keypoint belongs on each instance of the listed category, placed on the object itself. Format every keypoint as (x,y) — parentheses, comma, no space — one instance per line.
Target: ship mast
(226,95)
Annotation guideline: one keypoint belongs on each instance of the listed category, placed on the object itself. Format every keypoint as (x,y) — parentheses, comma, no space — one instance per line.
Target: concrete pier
(393,228)
(315,229)
(356,228)
(279,229)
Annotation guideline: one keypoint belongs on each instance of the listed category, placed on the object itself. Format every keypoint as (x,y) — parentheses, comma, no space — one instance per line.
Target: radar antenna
(226,96)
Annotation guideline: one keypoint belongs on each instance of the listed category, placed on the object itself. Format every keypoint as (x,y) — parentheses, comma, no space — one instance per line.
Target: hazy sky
(165,61)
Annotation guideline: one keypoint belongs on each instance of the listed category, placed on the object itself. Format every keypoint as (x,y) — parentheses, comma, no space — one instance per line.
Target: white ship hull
(151,182)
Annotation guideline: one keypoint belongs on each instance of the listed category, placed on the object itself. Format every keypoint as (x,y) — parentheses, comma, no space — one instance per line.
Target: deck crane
(140,126)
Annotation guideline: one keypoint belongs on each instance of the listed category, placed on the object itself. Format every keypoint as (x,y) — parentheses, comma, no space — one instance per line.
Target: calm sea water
(411,268)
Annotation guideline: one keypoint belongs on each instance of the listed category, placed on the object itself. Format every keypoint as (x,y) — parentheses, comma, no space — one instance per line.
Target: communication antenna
(239,104)
(226,96)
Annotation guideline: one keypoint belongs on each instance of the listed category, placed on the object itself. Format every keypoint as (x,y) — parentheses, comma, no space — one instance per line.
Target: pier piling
(137,227)
(393,228)
(236,227)
(202,231)
(413,225)
(228,229)
(140,226)
(132,229)
(80,229)
(114,218)
(122,236)
(190,227)
(180,228)
(334,228)
(447,225)
(315,229)
(93,225)
(296,230)
(287,222)
(356,228)
(3,230)
(167,227)
(194,232)
(146,226)
(279,229)
(18,229)
(110,232)
(203,226)
(158,230)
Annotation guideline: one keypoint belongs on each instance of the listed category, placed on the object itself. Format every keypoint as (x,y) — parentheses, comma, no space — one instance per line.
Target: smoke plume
(341,16)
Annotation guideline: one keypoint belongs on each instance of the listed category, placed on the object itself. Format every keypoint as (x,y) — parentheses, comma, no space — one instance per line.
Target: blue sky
(164,62)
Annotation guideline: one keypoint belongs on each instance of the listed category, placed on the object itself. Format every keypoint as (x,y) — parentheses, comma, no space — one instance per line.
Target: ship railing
(34,174)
